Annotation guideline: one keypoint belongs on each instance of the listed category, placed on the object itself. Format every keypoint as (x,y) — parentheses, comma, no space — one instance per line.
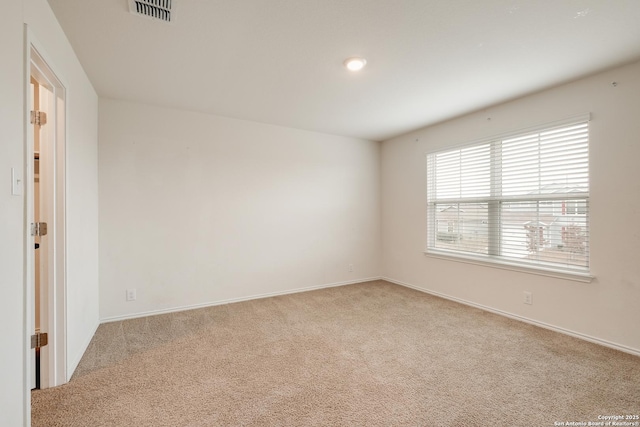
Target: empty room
(320,213)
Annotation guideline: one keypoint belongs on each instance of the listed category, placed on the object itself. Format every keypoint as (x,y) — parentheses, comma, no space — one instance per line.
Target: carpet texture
(370,354)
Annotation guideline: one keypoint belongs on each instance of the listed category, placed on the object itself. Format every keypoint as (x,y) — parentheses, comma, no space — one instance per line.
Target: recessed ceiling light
(355,64)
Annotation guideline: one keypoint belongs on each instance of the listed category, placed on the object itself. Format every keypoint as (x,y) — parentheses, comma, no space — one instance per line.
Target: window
(519,199)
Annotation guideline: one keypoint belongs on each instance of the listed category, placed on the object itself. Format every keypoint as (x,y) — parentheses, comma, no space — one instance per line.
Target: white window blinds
(521,198)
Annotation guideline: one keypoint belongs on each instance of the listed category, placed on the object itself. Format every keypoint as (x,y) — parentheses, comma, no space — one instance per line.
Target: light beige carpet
(371,354)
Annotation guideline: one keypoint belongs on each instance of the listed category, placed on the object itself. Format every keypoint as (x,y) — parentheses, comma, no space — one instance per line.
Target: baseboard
(71,369)
(232,300)
(561,330)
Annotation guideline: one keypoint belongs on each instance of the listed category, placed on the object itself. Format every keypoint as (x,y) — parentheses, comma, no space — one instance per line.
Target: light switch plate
(16,183)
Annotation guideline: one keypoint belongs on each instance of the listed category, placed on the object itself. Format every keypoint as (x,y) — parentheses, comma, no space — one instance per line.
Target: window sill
(495,263)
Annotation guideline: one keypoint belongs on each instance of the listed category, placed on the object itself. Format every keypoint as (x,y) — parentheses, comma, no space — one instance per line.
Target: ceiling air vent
(155,9)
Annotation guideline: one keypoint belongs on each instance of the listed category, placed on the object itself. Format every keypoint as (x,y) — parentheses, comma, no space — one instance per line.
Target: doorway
(45,222)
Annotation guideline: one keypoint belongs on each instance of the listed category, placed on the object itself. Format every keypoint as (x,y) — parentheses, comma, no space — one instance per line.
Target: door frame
(53,307)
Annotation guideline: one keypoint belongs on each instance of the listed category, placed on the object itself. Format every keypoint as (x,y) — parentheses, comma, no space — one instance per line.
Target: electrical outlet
(131,294)
(350,268)
(528,298)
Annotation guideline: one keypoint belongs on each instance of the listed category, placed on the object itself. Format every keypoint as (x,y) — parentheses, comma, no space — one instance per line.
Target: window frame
(493,258)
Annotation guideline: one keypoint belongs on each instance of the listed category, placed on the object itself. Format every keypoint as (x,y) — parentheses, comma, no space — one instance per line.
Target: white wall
(607,308)
(82,314)
(199,209)
(13,390)
(82,286)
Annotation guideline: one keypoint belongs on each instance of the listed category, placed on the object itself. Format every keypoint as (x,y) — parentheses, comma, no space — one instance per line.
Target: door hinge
(39,340)
(39,229)
(38,118)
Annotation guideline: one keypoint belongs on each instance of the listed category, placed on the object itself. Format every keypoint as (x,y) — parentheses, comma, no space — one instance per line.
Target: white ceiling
(280,61)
